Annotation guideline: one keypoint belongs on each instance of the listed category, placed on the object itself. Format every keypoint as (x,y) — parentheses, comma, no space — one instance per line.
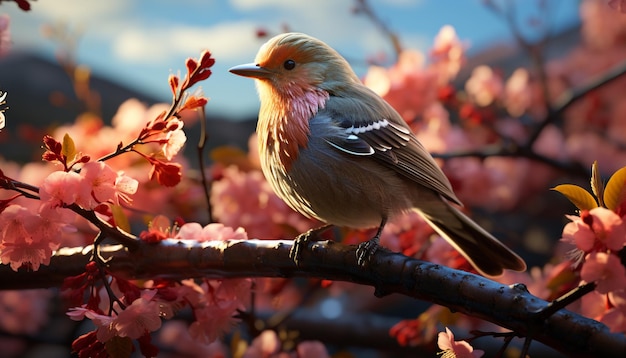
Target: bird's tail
(488,255)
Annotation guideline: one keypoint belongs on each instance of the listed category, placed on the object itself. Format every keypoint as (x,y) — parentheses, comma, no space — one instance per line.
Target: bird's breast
(283,126)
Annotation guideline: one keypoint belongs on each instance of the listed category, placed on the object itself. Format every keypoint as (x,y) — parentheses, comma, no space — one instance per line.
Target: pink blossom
(605,270)
(55,188)
(454,349)
(103,323)
(615,317)
(602,229)
(268,345)
(246,199)
(175,141)
(213,320)
(175,335)
(517,92)
(235,289)
(618,299)
(409,86)
(125,186)
(593,305)
(24,311)
(602,26)
(132,116)
(615,320)
(5,34)
(142,316)
(618,5)
(579,234)
(406,233)
(211,232)
(484,86)
(104,185)
(377,80)
(26,238)
(449,53)
(265,344)
(312,349)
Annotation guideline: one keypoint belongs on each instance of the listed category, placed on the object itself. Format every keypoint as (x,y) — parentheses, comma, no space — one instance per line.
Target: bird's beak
(250,70)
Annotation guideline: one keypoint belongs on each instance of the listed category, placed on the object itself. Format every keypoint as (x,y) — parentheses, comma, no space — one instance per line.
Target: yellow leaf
(238,346)
(120,218)
(615,191)
(69,149)
(596,183)
(577,195)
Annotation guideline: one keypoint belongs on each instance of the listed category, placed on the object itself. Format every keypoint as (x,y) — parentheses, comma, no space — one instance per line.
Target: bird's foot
(300,242)
(365,251)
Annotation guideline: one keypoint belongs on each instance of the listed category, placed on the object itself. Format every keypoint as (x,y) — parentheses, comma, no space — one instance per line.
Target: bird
(336,151)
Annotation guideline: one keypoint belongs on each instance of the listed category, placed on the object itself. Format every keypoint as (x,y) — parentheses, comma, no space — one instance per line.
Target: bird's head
(291,63)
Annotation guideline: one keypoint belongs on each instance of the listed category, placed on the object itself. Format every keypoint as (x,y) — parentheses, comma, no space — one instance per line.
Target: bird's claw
(298,244)
(365,251)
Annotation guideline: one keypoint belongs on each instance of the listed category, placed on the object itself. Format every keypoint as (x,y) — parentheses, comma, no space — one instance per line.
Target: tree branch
(511,307)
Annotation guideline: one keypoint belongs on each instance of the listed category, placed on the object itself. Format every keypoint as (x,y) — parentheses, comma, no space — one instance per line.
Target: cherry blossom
(210,232)
(175,140)
(268,345)
(27,238)
(246,199)
(605,270)
(5,34)
(54,188)
(596,229)
(104,185)
(142,316)
(456,349)
(485,86)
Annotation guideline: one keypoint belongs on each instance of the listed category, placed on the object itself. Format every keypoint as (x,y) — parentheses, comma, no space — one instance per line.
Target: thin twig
(206,184)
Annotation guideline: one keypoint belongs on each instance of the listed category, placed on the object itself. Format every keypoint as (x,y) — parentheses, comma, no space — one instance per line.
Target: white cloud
(86,12)
(247,5)
(227,42)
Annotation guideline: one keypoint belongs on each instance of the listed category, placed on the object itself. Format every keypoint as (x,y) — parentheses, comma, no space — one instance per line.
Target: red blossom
(194,102)
(23,4)
(146,347)
(53,149)
(471,113)
(88,346)
(446,94)
(261,33)
(173,80)
(152,236)
(167,174)
(198,70)
(130,290)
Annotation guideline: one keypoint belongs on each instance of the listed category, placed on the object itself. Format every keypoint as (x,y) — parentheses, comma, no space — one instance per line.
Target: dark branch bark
(511,307)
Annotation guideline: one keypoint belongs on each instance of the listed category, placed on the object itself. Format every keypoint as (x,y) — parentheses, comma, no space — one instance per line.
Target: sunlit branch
(512,307)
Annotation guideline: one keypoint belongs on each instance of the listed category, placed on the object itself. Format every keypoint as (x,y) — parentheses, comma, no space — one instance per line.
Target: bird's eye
(289,65)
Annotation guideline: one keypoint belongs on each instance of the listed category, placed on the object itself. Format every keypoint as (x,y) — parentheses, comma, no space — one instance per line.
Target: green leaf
(597,186)
(615,191)
(577,195)
(69,149)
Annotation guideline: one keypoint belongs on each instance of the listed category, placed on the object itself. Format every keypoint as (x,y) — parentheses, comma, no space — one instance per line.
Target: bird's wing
(392,143)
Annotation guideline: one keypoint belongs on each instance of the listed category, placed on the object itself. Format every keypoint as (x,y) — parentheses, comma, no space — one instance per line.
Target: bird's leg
(299,243)
(366,250)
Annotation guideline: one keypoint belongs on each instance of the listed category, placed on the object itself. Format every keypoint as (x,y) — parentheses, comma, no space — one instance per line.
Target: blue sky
(139,43)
